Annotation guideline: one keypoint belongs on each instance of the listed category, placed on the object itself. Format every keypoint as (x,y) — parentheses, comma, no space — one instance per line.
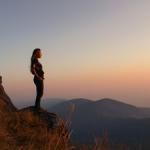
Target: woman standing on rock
(37,70)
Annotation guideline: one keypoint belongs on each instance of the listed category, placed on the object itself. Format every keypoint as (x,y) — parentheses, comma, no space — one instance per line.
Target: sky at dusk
(91,48)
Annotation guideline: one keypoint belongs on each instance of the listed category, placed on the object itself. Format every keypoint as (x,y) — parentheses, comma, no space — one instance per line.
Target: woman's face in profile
(38,54)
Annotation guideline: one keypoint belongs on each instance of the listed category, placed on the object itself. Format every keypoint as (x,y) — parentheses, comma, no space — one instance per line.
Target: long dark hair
(33,57)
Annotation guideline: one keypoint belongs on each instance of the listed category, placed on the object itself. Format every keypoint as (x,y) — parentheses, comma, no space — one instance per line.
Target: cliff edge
(28,128)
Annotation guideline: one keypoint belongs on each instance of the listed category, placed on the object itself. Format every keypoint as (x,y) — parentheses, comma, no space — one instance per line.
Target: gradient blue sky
(91,48)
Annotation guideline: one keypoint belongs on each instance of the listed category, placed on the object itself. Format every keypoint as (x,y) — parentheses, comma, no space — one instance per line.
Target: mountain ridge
(106,106)
(123,122)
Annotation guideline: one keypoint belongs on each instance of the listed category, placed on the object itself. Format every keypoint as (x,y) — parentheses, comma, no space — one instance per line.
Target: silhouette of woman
(37,70)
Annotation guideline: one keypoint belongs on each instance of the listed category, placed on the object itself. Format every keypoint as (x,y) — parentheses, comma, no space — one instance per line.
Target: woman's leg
(39,92)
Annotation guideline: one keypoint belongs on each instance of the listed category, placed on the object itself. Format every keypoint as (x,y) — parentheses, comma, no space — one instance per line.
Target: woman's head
(36,53)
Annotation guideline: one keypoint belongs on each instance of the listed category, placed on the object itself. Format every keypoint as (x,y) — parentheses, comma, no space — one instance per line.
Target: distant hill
(104,108)
(124,122)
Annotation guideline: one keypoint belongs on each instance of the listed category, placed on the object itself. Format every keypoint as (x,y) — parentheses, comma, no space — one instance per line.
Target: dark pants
(39,91)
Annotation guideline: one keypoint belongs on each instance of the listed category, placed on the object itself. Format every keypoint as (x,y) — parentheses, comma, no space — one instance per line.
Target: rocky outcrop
(29,128)
(4,98)
(50,119)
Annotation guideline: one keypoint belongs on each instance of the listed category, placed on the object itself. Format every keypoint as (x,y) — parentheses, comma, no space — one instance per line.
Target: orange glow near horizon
(93,84)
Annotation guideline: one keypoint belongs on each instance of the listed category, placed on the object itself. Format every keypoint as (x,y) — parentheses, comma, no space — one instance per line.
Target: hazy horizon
(91,49)
(46,101)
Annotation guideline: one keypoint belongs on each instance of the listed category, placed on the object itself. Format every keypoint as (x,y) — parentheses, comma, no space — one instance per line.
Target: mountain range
(123,122)
(104,108)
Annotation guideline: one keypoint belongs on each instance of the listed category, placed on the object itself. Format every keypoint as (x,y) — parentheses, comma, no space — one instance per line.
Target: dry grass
(24,130)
